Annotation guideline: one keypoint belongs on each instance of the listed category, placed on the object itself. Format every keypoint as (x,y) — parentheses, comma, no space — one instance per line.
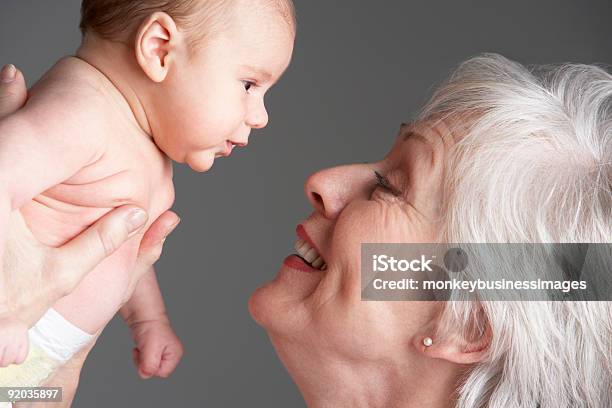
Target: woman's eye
(248,85)
(383,182)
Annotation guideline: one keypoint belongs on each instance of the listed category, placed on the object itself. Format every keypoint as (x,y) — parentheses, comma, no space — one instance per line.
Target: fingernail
(8,73)
(136,219)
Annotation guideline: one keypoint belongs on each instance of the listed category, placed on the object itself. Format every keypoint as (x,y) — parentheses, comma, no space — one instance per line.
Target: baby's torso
(125,174)
(129,170)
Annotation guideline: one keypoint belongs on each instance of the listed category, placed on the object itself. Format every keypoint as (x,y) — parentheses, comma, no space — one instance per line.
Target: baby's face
(215,96)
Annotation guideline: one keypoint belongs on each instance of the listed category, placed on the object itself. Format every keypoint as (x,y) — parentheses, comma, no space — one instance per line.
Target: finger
(2,360)
(136,357)
(169,362)
(23,352)
(149,361)
(159,230)
(80,255)
(9,355)
(13,92)
(144,375)
(153,240)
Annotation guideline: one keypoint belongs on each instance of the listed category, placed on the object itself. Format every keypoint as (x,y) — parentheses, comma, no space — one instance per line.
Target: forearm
(146,303)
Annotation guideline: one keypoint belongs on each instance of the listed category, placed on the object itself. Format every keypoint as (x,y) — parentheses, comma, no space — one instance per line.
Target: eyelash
(383,182)
(248,85)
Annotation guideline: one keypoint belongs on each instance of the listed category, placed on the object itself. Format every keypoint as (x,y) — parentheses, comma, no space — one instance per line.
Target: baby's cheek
(217,123)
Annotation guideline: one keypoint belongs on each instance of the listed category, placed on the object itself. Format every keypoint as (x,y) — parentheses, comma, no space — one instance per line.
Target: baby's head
(205,66)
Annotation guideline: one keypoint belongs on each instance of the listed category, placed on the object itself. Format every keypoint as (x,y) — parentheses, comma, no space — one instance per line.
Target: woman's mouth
(307,258)
(309,255)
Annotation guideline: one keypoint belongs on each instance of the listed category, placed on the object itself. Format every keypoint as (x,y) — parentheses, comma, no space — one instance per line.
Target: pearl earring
(427,341)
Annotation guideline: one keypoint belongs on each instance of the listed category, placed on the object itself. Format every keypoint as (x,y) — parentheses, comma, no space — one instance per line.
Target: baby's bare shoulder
(71,79)
(76,100)
(74,93)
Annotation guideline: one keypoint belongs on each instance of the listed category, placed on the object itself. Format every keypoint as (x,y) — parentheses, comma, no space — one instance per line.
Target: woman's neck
(378,384)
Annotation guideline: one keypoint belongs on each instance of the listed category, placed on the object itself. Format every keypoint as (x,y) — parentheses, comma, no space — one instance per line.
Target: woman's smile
(307,251)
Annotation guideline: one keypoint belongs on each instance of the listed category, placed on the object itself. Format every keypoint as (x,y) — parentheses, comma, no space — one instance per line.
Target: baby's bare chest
(129,171)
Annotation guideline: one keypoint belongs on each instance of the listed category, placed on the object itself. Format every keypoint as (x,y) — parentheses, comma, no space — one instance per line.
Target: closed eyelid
(382,181)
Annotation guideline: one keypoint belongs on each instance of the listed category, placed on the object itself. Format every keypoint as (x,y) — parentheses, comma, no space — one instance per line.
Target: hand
(13,92)
(13,341)
(158,350)
(66,377)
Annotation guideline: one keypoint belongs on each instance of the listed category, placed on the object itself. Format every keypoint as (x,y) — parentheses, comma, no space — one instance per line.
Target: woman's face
(313,315)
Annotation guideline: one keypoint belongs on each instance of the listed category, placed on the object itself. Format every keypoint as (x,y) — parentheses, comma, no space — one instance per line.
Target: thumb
(78,257)
(150,359)
(136,356)
(13,92)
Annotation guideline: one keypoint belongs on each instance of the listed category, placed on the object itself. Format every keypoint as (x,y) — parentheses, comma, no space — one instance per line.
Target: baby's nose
(258,118)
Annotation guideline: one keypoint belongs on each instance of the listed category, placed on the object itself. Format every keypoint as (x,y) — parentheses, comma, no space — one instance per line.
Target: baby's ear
(157,43)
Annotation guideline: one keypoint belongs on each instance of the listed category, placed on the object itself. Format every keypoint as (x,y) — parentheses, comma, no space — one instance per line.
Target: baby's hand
(14,341)
(158,350)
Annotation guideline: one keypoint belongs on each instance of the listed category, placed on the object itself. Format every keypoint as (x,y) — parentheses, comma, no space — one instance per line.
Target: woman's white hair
(533,164)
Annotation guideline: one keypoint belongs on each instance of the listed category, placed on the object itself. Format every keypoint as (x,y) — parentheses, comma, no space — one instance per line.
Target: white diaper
(53,341)
(59,338)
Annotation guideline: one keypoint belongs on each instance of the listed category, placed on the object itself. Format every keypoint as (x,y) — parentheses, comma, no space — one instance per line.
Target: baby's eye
(248,85)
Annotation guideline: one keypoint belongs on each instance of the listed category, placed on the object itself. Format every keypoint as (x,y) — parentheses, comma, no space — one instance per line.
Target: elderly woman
(500,154)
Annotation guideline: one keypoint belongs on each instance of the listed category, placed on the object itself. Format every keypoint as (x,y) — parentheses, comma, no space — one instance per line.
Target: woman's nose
(330,190)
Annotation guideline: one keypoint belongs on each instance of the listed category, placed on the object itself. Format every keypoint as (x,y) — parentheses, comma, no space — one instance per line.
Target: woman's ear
(157,44)
(456,349)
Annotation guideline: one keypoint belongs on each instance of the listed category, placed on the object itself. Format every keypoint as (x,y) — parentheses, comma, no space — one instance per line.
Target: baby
(153,81)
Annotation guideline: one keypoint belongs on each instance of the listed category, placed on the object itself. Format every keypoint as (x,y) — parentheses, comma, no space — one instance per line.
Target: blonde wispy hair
(117,20)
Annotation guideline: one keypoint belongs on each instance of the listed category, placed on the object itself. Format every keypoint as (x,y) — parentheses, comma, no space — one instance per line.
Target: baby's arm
(50,139)
(158,350)
(57,133)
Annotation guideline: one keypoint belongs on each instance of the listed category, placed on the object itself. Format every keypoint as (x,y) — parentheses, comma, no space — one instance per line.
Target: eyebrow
(413,134)
(261,72)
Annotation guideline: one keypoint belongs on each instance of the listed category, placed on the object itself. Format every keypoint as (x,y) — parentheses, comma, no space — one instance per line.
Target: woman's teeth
(310,255)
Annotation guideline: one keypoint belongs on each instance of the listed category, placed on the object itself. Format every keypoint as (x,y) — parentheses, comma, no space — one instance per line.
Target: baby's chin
(200,161)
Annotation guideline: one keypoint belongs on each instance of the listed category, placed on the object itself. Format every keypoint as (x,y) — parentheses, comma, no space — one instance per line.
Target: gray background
(359,69)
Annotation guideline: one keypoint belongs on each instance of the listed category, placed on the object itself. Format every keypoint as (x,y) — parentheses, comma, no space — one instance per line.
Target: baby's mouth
(309,255)
(227,149)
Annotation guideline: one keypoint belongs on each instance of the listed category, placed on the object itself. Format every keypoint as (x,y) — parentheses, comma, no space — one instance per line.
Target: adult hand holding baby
(36,275)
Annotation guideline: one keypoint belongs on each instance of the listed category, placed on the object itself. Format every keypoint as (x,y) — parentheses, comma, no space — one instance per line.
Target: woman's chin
(278,304)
